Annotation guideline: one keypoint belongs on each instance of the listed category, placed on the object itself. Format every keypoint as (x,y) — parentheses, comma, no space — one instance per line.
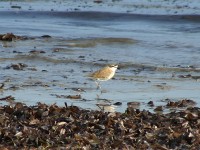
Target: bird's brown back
(102,73)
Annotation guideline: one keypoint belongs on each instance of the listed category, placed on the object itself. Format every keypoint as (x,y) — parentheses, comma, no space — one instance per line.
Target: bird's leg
(98,85)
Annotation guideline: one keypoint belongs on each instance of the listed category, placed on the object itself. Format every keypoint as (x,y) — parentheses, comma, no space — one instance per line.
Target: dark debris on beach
(12,37)
(50,126)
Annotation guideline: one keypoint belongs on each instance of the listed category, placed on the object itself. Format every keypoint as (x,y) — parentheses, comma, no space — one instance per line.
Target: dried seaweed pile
(13,37)
(10,37)
(44,126)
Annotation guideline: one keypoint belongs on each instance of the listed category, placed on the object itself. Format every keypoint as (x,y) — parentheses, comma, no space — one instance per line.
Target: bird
(104,74)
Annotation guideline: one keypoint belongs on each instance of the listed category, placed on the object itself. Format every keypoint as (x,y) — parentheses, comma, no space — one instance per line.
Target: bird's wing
(102,73)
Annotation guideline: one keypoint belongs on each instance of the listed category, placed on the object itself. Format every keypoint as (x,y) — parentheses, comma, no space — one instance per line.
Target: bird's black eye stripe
(115,66)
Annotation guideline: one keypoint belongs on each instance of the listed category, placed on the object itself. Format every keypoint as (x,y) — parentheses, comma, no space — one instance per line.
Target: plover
(104,74)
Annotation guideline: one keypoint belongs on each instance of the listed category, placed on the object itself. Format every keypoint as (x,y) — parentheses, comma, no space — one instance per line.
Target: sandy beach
(48,49)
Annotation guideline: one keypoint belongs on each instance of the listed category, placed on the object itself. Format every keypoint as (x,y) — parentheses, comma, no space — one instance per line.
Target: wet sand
(54,70)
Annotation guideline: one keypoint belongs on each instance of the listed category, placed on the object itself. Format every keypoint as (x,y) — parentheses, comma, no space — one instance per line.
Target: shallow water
(149,49)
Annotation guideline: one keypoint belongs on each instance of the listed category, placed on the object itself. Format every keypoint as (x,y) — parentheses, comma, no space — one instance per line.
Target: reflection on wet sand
(106,107)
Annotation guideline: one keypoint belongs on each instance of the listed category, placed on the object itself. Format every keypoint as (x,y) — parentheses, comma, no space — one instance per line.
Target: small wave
(99,16)
(44,59)
(91,42)
(148,67)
